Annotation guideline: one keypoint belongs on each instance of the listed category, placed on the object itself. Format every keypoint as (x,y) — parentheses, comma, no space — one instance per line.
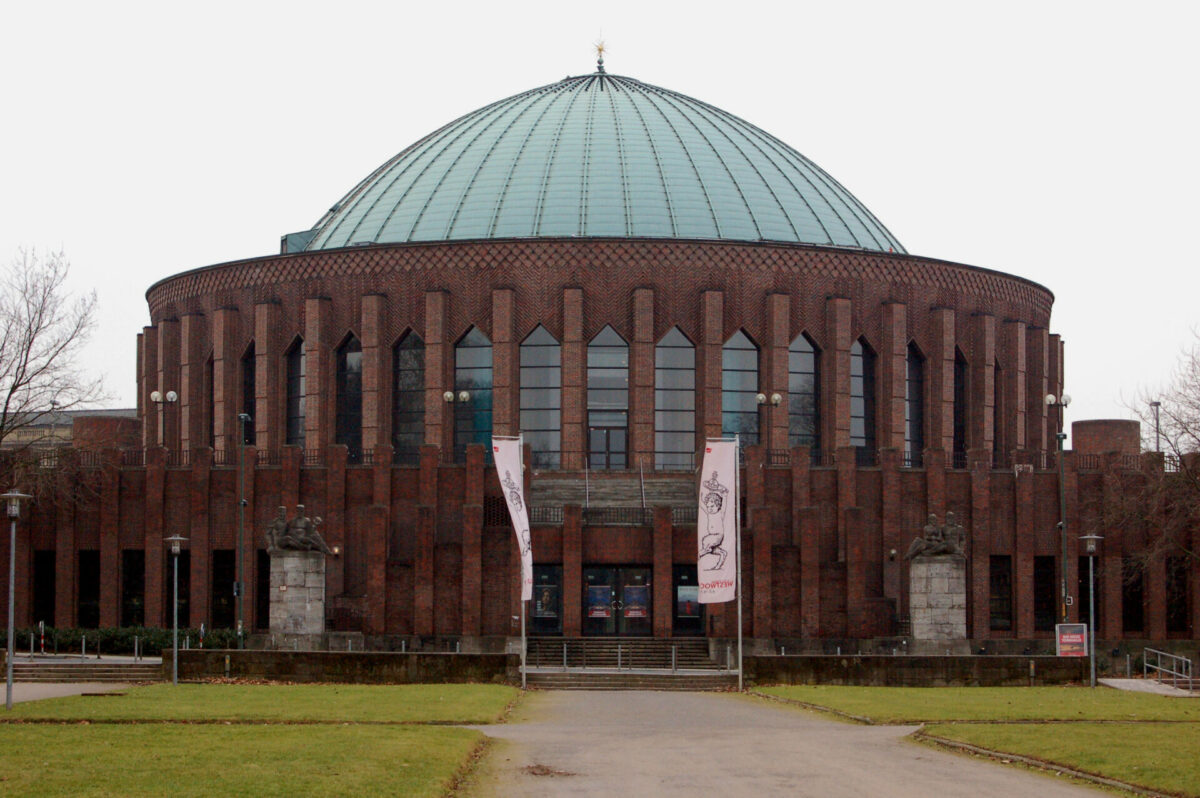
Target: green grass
(328,703)
(1157,756)
(234,760)
(929,704)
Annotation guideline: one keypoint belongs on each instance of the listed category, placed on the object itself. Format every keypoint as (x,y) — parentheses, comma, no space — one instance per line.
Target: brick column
(847,493)
(168,380)
(505,414)
(1054,383)
(775,370)
(1076,613)
(574,361)
(157,604)
(270,395)
(857,557)
(893,372)
(892,536)
(1011,436)
(375,518)
(110,554)
(334,528)
(250,540)
(935,483)
(196,528)
(318,374)
(981,433)
(708,365)
(226,388)
(423,546)
(192,339)
(376,369)
(290,459)
(979,543)
(147,359)
(64,555)
(810,571)
(572,563)
(472,548)
(1024,547)
(641,379)
(439,371)
(940,374)
(1037,352)
(835,375)
(662,574)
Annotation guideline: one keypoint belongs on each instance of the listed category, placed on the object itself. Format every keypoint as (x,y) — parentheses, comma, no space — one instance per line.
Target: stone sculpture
(938,540)
(299,534)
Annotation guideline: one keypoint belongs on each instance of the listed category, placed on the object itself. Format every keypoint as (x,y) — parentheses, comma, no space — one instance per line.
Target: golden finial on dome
(600,55)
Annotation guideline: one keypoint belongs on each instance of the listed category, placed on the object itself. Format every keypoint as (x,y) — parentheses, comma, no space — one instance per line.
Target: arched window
(997,415)
(804,392)
(960,409)
(862,398)
(295,393)
(408,398)
(914,408)
(739,385)
(674,402)
(473,374)
(348,426)
(248,393)
(608,400)
(541,397)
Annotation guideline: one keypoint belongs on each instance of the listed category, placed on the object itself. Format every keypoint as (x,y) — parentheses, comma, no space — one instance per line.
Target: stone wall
(346,667)
(907,671)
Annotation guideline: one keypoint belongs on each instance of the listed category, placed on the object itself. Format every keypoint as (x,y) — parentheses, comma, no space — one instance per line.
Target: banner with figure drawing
(716,525)
(507,452)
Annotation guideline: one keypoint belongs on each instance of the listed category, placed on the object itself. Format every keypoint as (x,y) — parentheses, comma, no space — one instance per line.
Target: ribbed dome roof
(600,155)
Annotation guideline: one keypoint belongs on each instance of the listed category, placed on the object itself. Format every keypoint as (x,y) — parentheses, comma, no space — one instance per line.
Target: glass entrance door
(606,447)
(616,601)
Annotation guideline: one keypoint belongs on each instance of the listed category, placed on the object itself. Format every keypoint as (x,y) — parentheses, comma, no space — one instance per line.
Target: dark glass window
(688,612)
(1000,605)
(248,393)
(44,577)
(547,600)
(88,607)
(348,426)
(1178,595)
(914,412)
(295,394)
(674,402)
(133,587)
(224,570)
(960,402)
(541,397)
(862,396)
(1133,596)
(1045,594)
(1084,591)
(804,392)
(739,388)
(473,374)
(408,398)
(608,400)
(185,588)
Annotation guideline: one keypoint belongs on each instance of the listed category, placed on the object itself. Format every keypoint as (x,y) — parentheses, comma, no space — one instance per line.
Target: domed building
(617,272)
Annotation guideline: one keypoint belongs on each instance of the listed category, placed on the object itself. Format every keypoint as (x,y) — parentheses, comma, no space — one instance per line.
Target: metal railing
(958,461)
(779,457)
(617,516)
(913,459)
(1167,665)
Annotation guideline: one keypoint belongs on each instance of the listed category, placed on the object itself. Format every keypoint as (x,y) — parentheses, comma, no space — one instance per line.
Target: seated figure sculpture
(935,540)
(300,534)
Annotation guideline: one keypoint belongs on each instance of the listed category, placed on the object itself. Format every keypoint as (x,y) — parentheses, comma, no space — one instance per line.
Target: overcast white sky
(1053,140)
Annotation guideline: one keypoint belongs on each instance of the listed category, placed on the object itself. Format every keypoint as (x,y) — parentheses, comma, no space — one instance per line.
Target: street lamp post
(1061,403)
(239,586)
(176,542)
(1091,541)
(159,398)
(14,498)
(1157,439)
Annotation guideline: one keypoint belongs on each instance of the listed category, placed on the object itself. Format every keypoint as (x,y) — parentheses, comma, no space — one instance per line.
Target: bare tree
(43,328)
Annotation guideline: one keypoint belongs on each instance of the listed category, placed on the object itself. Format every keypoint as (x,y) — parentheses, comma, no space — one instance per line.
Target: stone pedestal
(298,596)
(937,601)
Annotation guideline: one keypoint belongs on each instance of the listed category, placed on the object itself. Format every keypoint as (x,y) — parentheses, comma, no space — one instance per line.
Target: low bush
(119,640)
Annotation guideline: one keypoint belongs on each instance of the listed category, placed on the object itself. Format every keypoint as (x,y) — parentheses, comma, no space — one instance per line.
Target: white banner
(507,453)
(716,526)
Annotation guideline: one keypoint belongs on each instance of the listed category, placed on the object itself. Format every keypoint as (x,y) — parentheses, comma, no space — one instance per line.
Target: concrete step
(589,680)
(637,653)
(86,672)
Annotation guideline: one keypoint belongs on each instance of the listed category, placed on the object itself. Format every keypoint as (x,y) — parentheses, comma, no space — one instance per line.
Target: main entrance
(616,601)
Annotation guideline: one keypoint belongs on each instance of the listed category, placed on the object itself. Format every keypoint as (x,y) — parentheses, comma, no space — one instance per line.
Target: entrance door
(606,447)
(616,601)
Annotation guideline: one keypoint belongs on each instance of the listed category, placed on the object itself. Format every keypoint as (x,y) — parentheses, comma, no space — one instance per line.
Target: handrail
(1176,667)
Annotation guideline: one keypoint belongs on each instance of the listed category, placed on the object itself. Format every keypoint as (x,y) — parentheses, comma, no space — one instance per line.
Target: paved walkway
(1148,686)
(581,743)
(34,691)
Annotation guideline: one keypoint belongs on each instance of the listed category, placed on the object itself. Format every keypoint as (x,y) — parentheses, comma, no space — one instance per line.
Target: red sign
(1071,640)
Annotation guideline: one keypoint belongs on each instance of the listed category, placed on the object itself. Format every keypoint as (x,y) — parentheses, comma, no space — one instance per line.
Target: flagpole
(521,476)
(737,520)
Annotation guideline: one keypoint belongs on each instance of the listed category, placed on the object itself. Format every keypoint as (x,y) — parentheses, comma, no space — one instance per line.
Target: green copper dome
(605,156)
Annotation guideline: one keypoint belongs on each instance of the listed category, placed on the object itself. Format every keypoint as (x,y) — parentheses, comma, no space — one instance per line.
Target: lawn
(929,704)
(251,740)
(1159,756)
(324,703)
(235,760)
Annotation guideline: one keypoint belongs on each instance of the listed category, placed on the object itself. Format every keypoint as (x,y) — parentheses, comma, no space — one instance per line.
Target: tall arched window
(862,398)
(914,407)
(295,393)
(674,402)
(408,398)
(960,409)
(608,400)
(348,426)
(248,391)
(473,374)
(541,397)
(739,385)
(804,392)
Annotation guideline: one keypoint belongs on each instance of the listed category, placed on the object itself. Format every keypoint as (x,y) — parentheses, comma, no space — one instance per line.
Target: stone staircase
(624,664)
(91,671)
(612,489)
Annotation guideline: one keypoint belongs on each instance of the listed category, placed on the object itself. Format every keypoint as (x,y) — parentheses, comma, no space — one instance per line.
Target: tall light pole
(239,586)
(1061,403)
(1091,541)
(176,542)
(1157,440)
(13,498)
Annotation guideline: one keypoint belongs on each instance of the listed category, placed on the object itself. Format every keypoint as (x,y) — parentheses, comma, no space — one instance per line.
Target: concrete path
(34,691)
(1148,686)
(688,744)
